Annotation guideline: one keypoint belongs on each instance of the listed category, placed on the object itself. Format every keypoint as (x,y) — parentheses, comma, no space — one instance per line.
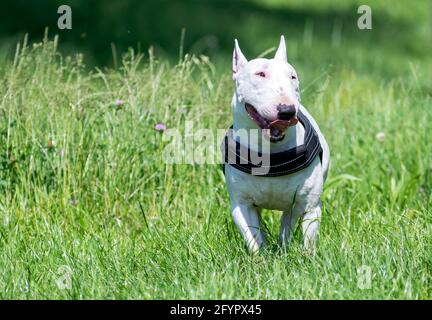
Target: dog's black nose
(286,112)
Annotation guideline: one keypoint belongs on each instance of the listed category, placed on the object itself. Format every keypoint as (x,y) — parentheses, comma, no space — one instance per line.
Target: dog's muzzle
(274,130)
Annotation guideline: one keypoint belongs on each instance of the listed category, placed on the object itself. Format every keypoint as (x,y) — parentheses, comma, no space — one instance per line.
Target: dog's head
(268,89)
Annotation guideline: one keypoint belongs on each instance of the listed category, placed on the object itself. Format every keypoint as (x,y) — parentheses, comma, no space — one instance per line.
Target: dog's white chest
(276,193)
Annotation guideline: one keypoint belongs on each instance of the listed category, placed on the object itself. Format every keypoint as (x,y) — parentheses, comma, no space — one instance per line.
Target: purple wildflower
(119,102)
(160,127)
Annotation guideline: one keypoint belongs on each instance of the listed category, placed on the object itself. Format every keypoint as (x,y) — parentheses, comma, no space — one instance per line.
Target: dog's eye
(260,74)
(293,77)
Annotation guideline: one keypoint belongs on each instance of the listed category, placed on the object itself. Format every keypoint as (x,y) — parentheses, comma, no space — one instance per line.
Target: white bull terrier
(267,99)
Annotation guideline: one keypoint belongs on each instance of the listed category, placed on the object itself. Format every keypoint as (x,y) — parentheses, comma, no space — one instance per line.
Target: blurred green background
(319,33)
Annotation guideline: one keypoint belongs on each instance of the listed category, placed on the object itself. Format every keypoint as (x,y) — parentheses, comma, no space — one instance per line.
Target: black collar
(281,163)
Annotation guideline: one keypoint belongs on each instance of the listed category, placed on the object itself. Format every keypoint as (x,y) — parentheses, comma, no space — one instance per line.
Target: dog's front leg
(287,227)
(247,219)
(310,225)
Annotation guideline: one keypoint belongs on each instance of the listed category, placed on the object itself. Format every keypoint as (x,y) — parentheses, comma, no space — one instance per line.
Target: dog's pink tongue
(282,125)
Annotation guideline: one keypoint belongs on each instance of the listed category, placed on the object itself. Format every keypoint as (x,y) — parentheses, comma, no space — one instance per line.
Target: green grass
(83,185)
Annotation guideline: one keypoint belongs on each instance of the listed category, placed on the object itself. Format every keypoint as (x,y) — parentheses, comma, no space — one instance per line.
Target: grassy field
(84,191)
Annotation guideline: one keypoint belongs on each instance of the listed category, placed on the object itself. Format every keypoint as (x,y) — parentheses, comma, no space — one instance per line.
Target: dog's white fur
(298,194)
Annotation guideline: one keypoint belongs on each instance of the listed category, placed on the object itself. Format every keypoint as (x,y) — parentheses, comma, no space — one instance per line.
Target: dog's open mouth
(273,130)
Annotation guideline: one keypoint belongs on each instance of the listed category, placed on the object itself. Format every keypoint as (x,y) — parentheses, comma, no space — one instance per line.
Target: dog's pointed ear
(239,60)
(281,53)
